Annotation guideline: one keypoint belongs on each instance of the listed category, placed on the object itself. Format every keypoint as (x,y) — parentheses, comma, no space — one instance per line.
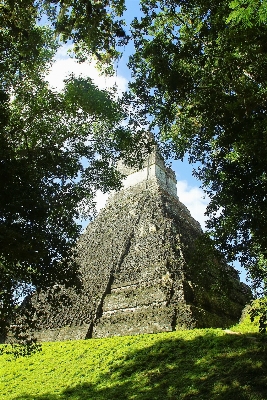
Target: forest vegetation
(199,78)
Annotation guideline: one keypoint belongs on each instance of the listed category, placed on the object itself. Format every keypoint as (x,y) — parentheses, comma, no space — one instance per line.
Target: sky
(188,187)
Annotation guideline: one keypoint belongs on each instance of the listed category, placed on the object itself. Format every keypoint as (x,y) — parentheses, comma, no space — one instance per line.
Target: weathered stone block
(134,297)
(151,319)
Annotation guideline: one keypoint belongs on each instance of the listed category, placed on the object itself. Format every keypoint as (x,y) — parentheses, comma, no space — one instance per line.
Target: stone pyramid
(142,270)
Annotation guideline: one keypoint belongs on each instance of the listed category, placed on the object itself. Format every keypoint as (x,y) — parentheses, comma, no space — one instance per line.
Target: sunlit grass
(245,325)
(196,364)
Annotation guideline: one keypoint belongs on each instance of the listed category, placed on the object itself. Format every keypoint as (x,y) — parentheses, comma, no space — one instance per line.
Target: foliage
(258,313)
(206,364)
(246,324)
(56,149)
(200,71)
(95,27)
(248,12)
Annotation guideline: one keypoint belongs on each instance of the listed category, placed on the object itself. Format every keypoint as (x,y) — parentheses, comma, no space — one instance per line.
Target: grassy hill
(197,364)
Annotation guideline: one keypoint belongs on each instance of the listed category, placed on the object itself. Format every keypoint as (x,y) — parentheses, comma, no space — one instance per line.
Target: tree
(56,149)
(199,70)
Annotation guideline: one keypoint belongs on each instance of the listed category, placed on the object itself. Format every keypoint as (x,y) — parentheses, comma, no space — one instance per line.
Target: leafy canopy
(199,70)
(56,149)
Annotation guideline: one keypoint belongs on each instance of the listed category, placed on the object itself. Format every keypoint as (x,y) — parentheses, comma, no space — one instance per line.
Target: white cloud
(100,200)
(193,199)
(64,66)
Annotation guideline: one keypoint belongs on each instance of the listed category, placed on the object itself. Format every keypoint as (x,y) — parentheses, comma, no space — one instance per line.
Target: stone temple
(142,268)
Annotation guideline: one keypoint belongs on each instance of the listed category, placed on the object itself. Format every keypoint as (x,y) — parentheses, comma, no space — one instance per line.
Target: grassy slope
(197,364)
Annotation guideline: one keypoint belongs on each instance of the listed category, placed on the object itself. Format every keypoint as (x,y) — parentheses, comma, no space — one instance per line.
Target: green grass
(197,364)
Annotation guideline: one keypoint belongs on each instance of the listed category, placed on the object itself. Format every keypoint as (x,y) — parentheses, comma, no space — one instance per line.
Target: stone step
(133,297)
(151,319)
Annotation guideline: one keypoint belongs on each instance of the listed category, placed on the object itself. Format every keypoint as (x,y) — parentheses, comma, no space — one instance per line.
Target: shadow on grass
(206,367)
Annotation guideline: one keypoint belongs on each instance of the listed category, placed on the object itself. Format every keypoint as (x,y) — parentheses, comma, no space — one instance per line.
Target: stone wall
(154,169)
(153,289)
(137,277)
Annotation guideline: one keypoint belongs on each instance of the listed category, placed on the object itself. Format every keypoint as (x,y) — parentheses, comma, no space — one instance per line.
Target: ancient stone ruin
(143,269)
